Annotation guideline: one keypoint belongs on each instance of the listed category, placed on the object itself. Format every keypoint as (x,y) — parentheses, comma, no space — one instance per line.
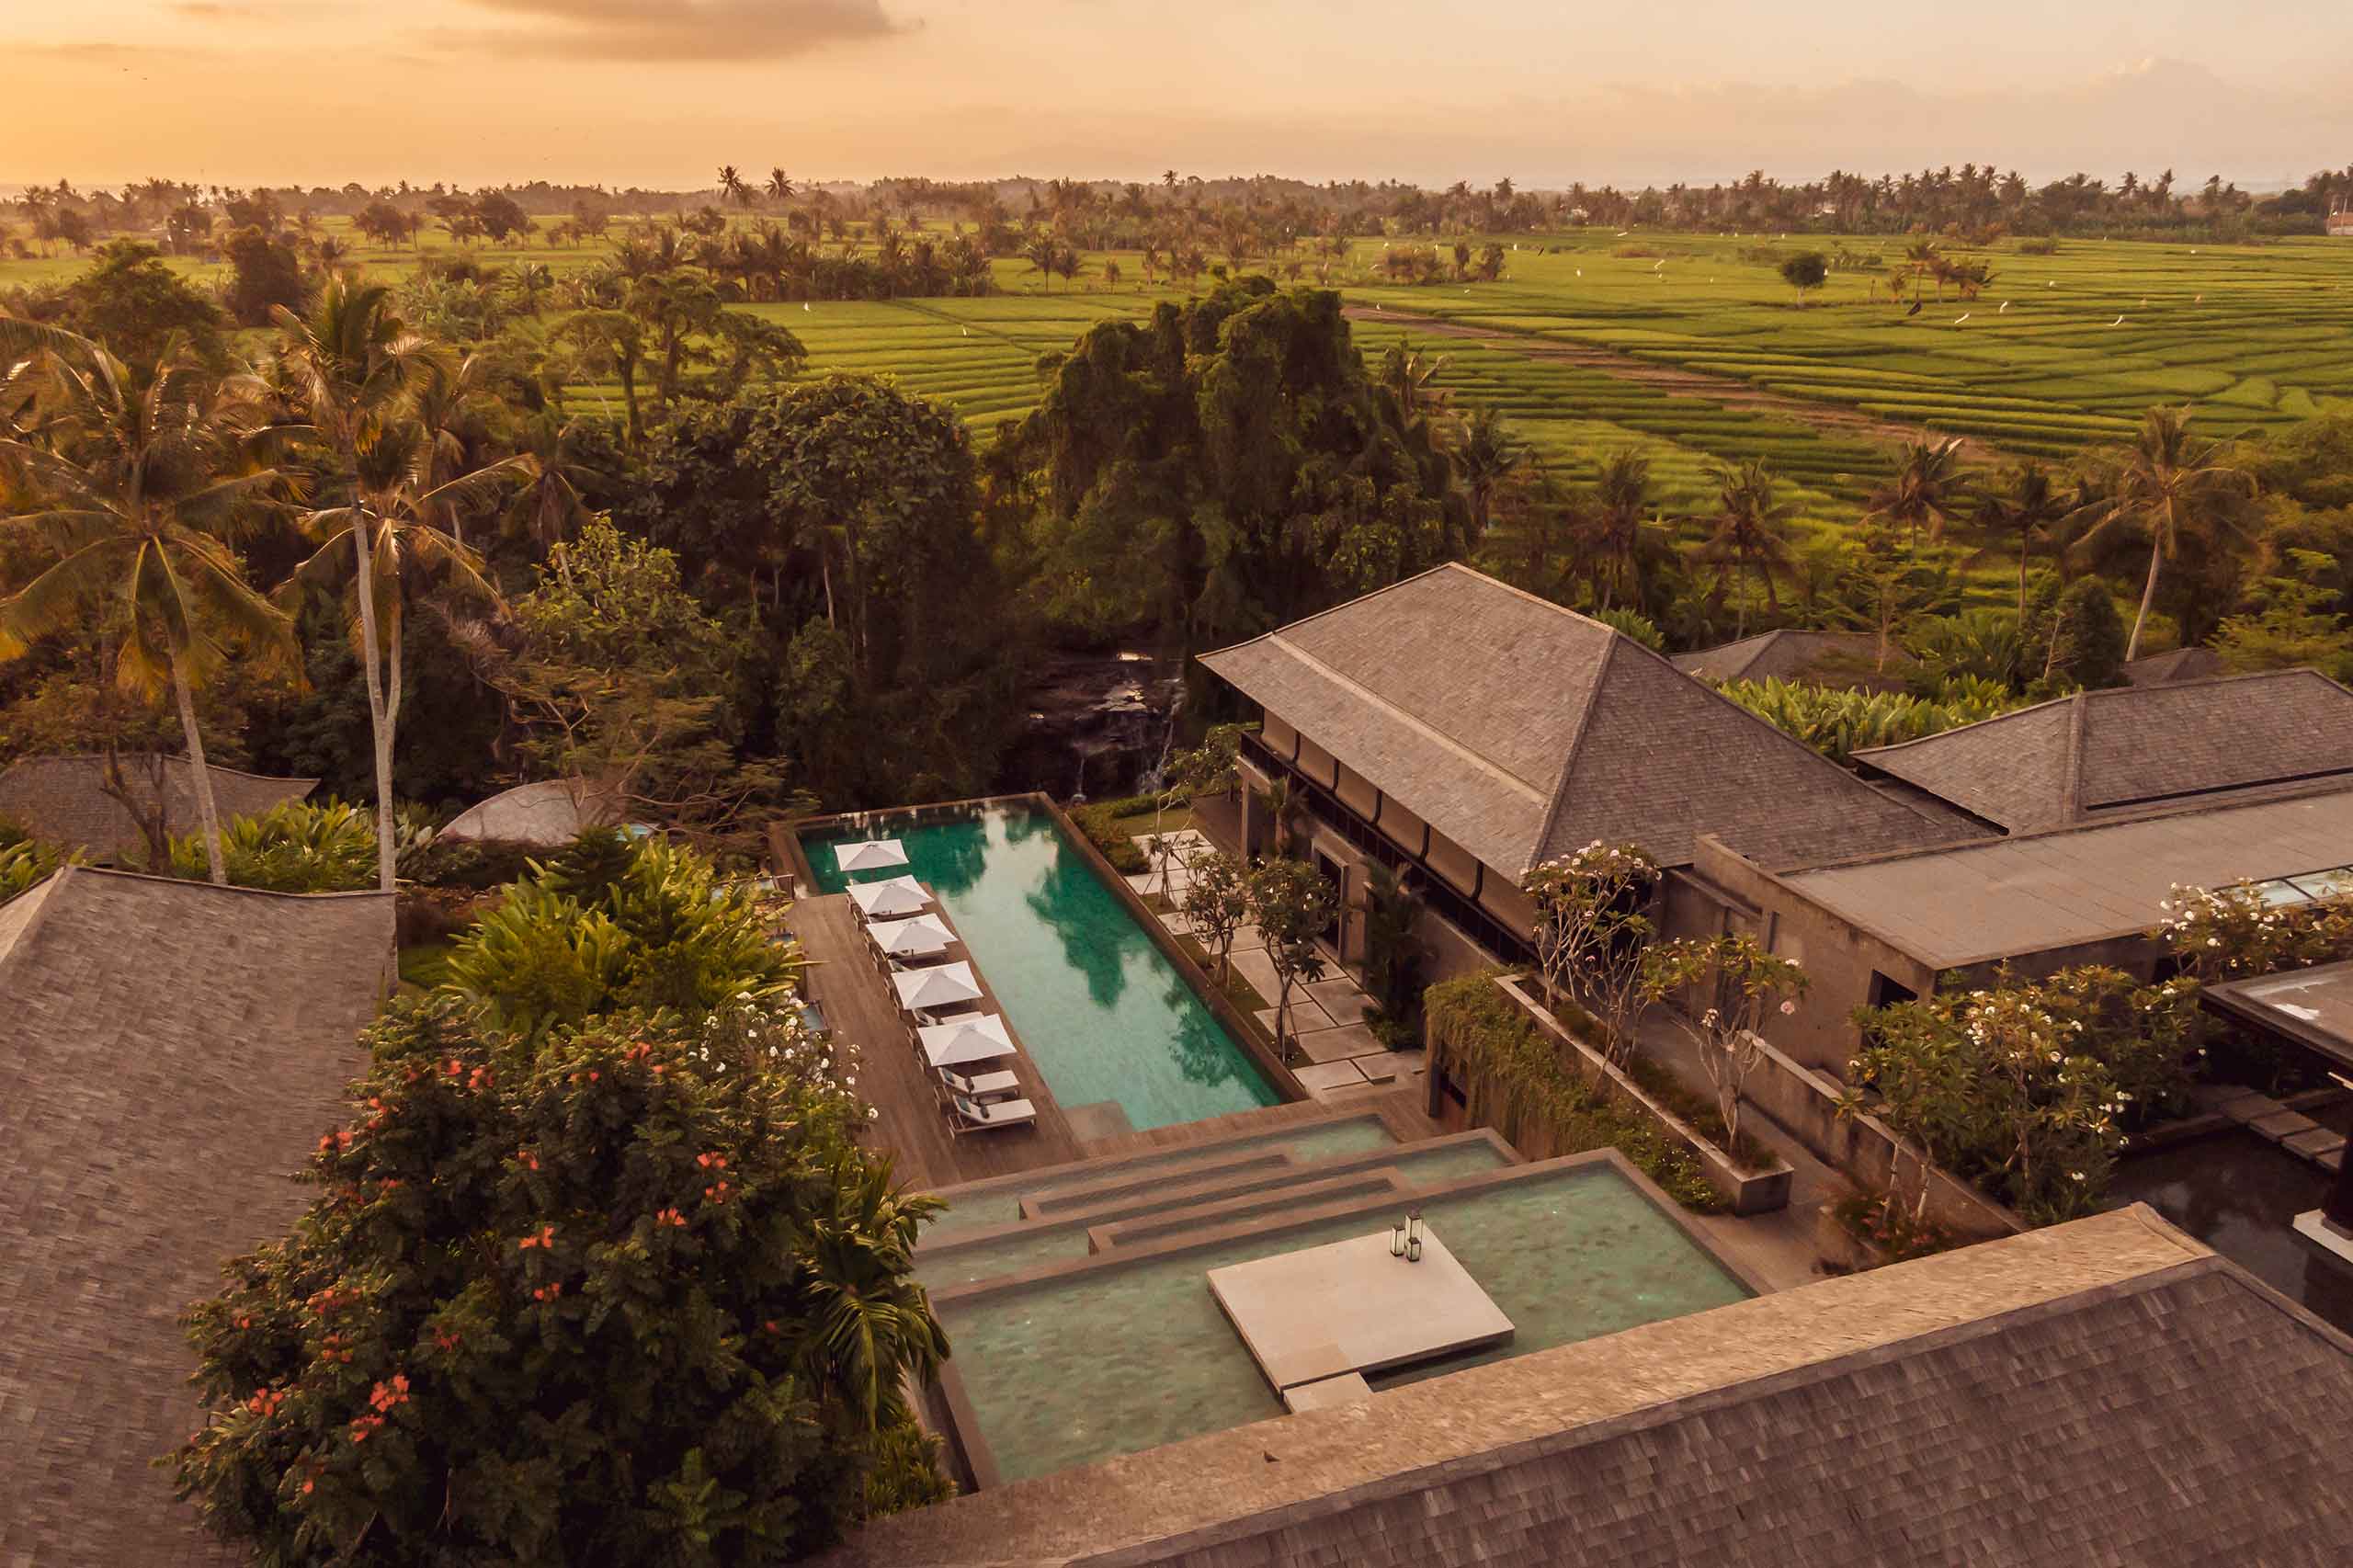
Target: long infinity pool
(1101,1010)
(1080,1369)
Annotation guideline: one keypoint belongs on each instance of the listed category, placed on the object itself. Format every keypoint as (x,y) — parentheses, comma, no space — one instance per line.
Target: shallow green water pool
(1103,1363)
(1100,1008)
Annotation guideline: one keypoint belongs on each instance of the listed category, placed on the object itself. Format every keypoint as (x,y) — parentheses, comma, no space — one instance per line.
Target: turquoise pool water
(1103,1363)
(1103,1013)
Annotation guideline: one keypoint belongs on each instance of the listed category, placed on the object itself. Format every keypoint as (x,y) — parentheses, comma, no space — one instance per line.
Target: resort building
(168,1053)
(1883,928)
(2099,755)
(1818,658)
(67,799)
(1459,727)
(2102,1392)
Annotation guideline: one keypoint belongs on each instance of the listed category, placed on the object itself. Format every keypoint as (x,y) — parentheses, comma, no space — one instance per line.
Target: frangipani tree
(1737,984)
(1589,928)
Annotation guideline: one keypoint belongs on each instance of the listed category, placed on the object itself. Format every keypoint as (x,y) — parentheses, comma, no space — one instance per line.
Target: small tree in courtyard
(634,1295)
(1589,923)
(1215,906)
(1293,907)
(1738,984)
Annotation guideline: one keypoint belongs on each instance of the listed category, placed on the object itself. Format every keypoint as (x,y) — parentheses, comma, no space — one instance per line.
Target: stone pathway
(2293,1131)
(1343,1058)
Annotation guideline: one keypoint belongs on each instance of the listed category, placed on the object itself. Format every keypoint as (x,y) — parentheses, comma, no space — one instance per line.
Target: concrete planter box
(1748,1192)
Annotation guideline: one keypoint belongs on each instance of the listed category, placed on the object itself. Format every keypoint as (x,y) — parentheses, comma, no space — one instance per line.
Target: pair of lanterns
(1405,1241)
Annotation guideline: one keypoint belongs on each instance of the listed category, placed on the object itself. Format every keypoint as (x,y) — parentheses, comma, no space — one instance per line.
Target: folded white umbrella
(900,895)
(872,855)
(965,1041)
(920,936)
(921,989)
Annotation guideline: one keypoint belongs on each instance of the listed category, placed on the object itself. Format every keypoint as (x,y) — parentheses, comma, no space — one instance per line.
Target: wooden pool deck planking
(861,1008)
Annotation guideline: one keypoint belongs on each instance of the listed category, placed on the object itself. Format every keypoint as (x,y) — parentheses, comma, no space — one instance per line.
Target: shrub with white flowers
(1589,930)
(2022,1087)
(1747,983)
(2223,933)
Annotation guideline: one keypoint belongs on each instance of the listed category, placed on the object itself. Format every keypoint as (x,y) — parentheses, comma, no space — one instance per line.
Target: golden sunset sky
(658,92)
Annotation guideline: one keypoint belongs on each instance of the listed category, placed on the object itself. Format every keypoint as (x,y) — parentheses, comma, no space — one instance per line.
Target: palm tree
(2168,486)
(136,486)
(1749,534)
(781,186)
(2026,507)
(400,510)
(732,187)
(546,505)
(871,1331)
(351,367)
(1621,496)
(1928,488)
(1485,454)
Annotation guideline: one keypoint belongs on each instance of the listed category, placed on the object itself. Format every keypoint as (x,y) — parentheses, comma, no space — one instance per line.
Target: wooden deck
(861,1008)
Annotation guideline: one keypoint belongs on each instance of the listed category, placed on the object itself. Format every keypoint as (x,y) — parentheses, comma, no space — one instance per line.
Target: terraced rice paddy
(2255,335)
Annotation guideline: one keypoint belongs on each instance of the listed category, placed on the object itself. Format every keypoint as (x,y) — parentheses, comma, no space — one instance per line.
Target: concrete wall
(1838,958)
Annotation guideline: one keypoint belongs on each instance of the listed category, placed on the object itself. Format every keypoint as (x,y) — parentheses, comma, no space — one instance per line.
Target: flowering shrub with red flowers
(628,1293)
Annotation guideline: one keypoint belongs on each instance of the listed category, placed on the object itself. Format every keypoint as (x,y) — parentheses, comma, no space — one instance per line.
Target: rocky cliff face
(1099,724)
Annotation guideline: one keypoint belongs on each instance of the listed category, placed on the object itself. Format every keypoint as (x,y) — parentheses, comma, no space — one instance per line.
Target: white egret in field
(2117,322)
(2006,305)
(2201,299)
(804,304)
(1962,317)
(1580,272)
(1624,232)
(2052,284)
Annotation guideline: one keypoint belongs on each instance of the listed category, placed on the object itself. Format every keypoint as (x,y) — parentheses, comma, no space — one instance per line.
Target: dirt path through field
(1726,390)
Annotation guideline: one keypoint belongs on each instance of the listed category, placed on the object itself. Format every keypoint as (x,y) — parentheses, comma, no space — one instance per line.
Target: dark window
(1884,991)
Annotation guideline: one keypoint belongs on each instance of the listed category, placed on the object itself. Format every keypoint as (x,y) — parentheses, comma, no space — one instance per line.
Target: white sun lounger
(982,1086)
(968,1114)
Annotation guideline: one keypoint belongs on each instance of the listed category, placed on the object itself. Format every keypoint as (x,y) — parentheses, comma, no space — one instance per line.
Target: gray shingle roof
(1521,730)
(2071,760)
(2101,1393)
(58,798)
(1830,658)
(169,1052)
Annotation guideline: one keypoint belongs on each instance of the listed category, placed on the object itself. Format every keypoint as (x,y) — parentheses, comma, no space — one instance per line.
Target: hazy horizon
(656,92)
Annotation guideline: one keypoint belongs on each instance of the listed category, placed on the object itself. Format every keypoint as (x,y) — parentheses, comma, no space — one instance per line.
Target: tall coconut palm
(780,185)
(2171,488)
(1614,537)
(408,516)
(547,504)
(1485,453)
(1750,534)
(352,369)
(1927,489)
(2027,507)
(136,486)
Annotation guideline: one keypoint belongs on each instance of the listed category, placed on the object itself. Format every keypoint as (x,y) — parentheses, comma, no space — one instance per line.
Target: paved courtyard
(1335,1056)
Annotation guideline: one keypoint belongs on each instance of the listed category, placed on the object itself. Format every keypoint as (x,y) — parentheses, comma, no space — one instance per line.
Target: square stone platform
(1350,1307)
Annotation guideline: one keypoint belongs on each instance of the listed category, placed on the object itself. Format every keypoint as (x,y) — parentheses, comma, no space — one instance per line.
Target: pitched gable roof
(1521,730)
(169,1051)
(1836,658)
(61,800)
(2101,1392)
(2181,663)
(2069,761)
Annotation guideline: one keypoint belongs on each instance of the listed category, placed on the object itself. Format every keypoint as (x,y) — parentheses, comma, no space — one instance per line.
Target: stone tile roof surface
(169,1051)
(1835,658)
(2101,1393)
(1521,730)
(59,798)
(2070,760)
